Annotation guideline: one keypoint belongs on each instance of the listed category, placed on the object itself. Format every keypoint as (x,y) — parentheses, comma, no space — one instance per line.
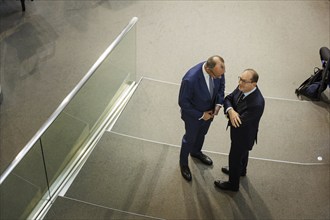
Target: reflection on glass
(27,184)
(89,107)
(24,187)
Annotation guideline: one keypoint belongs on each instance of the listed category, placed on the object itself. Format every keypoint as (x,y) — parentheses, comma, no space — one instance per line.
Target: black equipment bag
(313,87)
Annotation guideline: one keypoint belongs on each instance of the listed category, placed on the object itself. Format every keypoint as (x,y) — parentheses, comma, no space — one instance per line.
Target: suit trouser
(238,161)
(193,139)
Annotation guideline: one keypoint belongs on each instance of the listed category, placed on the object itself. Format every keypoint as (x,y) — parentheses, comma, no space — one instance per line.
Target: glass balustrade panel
(83,115)
(24,187)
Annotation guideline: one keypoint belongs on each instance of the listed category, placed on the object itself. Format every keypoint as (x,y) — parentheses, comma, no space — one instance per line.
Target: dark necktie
(211,85)
(241,97)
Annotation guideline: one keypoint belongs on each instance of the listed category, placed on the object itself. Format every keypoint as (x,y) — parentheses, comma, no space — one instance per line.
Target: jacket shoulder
(194,73)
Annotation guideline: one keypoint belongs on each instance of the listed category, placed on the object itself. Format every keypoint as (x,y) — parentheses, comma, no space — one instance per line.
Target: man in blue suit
(201,97)
(244,108)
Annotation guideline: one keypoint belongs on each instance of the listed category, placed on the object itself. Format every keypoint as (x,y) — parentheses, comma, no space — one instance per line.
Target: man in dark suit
(201,97)
(244,107)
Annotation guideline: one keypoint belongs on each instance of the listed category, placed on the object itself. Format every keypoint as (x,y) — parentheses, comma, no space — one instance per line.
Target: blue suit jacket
(250,110)
(194,96)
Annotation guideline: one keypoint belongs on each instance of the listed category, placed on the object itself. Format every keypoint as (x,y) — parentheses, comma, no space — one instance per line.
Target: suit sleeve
(185,100)
(221,92)
(228,102)
(251,115)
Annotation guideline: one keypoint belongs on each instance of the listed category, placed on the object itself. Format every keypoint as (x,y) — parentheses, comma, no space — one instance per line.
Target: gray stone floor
(141,177)
(45,51)
(135,168)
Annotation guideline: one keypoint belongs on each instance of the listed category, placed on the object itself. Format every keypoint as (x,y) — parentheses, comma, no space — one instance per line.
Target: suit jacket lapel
(203,84)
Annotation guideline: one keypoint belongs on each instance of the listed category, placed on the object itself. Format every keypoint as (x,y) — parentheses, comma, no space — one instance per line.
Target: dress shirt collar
(206,75)
(248,93)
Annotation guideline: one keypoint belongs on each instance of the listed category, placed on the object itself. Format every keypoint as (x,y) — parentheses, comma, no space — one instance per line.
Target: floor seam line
(105,207)
(215,152)
(267,97)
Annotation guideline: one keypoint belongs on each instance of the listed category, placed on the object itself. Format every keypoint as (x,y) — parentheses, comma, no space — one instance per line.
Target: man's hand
(234,118)
(207,115)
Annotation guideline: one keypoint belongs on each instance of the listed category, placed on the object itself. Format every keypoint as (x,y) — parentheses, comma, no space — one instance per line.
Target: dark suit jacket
(194,96)
(250,110)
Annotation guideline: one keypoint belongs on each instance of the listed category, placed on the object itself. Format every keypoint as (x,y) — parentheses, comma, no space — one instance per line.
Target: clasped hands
(211,113)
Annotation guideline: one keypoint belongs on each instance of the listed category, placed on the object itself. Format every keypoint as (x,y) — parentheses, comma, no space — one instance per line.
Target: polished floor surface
(133,172)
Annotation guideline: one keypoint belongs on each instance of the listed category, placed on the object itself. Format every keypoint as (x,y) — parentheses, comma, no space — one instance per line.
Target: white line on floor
(161,81)
(267,97)
(214,152)
(101,206)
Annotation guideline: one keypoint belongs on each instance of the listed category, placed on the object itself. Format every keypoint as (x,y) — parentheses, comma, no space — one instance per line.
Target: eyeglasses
(243,80)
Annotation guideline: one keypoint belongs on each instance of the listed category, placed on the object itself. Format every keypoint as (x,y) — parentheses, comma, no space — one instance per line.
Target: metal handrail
(66,101)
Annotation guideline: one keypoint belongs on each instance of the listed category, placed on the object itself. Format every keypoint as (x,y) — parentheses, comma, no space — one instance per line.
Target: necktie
(211,85)
(241,97)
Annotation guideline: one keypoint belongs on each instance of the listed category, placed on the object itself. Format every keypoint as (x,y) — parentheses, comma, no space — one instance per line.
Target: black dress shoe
(185,171)
(203,158)
(226,171)
(225,186)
